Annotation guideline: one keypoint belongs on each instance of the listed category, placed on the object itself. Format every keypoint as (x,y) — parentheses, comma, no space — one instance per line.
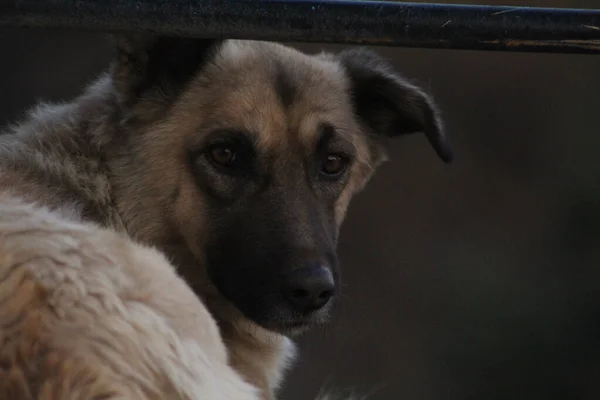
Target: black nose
(308,289)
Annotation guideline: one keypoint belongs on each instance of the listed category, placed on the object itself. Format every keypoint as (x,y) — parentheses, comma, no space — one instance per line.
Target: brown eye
(222,155)
(334,165)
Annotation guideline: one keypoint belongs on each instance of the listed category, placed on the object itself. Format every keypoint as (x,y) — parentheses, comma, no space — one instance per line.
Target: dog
(236,159)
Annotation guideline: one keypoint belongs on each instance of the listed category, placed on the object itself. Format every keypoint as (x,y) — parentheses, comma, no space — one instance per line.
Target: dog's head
(252,152)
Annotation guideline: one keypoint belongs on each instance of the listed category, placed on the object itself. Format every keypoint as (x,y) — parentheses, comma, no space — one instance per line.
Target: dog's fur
(87,314)
(134,153)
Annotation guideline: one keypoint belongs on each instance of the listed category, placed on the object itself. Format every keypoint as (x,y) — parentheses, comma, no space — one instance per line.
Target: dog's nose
(308,289)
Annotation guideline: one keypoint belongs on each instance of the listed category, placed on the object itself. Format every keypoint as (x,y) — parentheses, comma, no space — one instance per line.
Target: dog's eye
(334,165)
(222,154)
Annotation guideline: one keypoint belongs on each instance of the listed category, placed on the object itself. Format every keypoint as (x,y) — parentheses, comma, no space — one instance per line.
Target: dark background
(479,280)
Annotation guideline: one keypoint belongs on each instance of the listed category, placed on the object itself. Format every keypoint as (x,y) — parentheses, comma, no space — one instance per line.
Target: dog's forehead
(274,92)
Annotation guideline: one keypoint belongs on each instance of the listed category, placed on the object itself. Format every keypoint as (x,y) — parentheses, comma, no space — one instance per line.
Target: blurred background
(478,280)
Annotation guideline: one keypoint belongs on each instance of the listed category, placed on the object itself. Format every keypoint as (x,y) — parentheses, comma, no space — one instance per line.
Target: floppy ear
(390,106)
(146,62)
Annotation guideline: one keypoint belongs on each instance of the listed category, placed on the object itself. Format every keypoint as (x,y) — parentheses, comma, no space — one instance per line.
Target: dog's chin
(287,323)
(288,327)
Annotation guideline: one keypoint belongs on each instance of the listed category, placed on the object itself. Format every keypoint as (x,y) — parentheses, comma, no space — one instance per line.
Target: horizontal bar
(351,22)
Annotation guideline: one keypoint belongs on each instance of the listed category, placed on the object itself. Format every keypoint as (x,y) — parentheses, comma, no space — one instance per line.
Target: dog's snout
(308,289)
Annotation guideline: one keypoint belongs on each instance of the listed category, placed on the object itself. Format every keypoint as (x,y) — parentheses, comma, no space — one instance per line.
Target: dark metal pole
(351,22)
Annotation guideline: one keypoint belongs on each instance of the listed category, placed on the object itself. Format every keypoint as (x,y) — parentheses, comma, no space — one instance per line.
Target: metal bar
(335,21)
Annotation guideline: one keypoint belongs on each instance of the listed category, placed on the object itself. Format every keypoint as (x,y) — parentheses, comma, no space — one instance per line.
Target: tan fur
(77,160)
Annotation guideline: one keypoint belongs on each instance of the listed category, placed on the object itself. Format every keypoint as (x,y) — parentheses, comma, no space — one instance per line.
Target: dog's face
(260,149)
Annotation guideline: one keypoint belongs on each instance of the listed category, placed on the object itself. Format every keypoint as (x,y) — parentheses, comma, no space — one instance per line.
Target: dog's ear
(388,105)
(146,62)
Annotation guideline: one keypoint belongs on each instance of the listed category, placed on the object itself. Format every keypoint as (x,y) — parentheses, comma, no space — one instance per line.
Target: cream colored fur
(86,313)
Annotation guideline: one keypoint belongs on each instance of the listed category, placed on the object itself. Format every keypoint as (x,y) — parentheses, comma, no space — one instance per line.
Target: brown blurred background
(479,280)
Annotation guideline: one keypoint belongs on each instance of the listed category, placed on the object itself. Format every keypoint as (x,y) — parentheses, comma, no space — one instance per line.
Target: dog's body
(237,160)
(87,314)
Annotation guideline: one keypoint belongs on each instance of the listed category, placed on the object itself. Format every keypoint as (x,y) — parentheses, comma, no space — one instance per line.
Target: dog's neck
(258,355)
(262,357)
